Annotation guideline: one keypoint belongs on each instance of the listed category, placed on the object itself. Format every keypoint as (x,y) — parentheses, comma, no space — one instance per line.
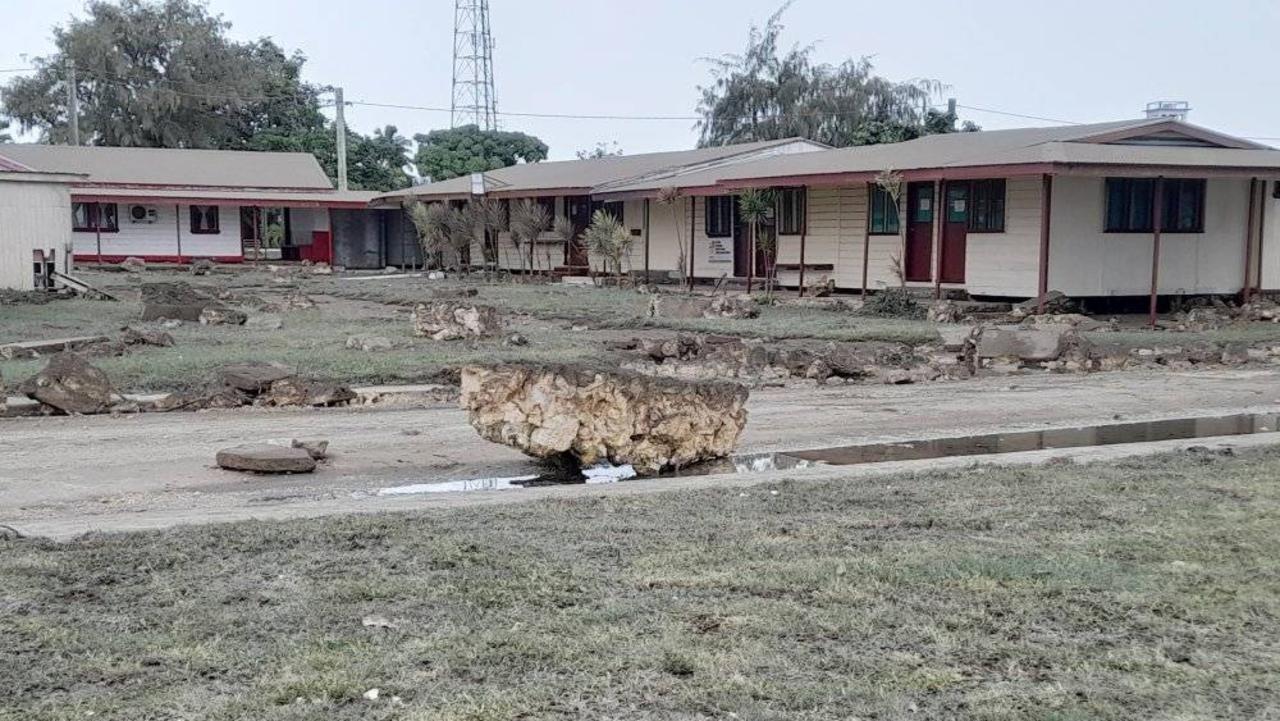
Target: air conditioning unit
(142,214)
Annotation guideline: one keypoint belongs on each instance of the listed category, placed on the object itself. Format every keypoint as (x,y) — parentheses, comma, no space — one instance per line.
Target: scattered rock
(945,311)
(515,340)
(203,266)
(370,343)
(1075,321)
(70,384)
(176,300)
(448,320)
(158,338)
(133,265)
(264,458)
(319,450)
(222,316)
(171,323)
(1026,345)
(690,307)
(593,417)
(253,377)
(1055,302)
(322,269)
(306,394)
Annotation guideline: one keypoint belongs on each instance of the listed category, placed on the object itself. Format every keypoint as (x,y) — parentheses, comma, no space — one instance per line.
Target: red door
(321,248)
(955,229)
(920,209)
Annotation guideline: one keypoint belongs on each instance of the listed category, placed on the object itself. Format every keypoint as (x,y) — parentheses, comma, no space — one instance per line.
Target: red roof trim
(266,201)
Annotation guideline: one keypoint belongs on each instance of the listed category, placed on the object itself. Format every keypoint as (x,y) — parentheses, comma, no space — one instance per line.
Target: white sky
(1087,60)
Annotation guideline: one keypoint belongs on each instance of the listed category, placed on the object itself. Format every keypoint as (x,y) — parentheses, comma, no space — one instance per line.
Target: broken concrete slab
(955,337)
(264,458)
(70,384)
(448,320)
(1020,343)
(37,348)
(297,392)
(687,307)
(253,377)
(136,336)
(589,416)
(176,300)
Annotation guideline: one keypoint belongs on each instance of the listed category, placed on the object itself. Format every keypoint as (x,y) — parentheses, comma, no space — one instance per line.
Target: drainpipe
(866,245)
(804,231)
(693,213)
(940,203)
(177,226)
(646,240)
(1246,293)
(1157,210)
(1046,212)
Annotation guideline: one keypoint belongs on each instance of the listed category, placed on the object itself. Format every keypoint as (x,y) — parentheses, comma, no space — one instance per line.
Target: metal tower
(475,101)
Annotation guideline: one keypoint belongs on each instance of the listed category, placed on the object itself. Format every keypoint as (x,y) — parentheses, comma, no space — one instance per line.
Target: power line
(1018,115)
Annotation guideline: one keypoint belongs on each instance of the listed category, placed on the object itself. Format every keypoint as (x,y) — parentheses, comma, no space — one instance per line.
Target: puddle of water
(983,444)
(1019,441)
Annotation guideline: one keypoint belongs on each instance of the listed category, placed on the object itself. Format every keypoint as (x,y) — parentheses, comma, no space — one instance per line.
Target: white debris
(605,473)
(371,694)
(475,484)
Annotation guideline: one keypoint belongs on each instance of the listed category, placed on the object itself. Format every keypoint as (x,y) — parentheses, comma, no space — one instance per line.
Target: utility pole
(340,124)
(73,104)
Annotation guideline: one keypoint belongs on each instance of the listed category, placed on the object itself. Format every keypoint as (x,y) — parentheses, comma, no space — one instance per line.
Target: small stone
(264,458)
(171,323)
(319,450)
(222,316)
(133,265)
(204,266)
(371,694)
(133,336)
(516,340)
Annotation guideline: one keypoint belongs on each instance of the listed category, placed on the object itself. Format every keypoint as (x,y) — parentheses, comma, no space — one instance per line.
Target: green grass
(1143,589)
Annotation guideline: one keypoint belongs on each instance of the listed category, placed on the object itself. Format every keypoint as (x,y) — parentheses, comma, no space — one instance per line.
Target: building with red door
(1126,208)
(172,205)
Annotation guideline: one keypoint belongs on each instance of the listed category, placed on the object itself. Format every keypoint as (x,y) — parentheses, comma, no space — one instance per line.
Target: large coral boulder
(450,320)
(70,384)
(591,417)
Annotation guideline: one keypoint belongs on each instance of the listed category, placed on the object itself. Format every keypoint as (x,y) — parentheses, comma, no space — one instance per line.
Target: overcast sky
(1086,60)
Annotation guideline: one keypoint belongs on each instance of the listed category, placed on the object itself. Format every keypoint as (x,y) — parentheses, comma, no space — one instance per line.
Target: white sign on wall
(720,250)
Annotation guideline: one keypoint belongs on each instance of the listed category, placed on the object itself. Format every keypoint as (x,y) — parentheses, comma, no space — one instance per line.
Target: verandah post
(1046,210)
(1157,213)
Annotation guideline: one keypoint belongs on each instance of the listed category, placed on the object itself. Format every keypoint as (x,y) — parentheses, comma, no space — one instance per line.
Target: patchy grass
(1144,589)
(312,341)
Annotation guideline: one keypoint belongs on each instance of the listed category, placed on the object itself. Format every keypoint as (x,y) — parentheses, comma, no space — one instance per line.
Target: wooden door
(955,229)
(578,210)
(920,209)
(250,230)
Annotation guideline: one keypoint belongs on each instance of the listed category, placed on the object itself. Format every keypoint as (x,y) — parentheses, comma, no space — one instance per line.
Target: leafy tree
(375,162)
(767,93)
(602,150)
(161,74)
(5,137)
(445,154)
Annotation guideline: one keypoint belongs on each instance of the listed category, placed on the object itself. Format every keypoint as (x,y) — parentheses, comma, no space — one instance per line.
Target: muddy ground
(65,475)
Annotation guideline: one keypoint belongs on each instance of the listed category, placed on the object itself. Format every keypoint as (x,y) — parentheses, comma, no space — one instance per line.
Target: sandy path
(107,473)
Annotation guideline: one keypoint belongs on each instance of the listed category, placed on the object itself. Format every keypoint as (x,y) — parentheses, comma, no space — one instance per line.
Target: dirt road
(63,475)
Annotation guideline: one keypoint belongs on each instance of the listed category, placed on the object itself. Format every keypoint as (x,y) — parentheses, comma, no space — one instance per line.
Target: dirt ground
(64,475)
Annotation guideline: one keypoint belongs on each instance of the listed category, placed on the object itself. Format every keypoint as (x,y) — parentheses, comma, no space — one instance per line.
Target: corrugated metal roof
(174,167)
(283,198)
(583,175)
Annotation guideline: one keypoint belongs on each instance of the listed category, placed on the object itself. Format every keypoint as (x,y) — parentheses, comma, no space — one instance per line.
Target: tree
(754,207)
(374,162)
(767,93)
(5,137)
(609,239)
(529,220)
(161,74)
(445,154)
(602,150)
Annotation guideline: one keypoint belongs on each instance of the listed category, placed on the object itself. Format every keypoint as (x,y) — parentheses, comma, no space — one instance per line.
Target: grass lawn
(1138,590)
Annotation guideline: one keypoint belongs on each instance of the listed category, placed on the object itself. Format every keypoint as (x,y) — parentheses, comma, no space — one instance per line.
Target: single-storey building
(175,205)
(568,190)
(35,225)
(1126,208)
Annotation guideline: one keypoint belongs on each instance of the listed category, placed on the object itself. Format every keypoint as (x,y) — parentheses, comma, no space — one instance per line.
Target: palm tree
(606,237)
(434,225)
(529,220)
(490,218)
(755,206)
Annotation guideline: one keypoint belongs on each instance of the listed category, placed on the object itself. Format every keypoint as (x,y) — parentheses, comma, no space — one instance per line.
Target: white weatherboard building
(35,223)
(1006,213)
